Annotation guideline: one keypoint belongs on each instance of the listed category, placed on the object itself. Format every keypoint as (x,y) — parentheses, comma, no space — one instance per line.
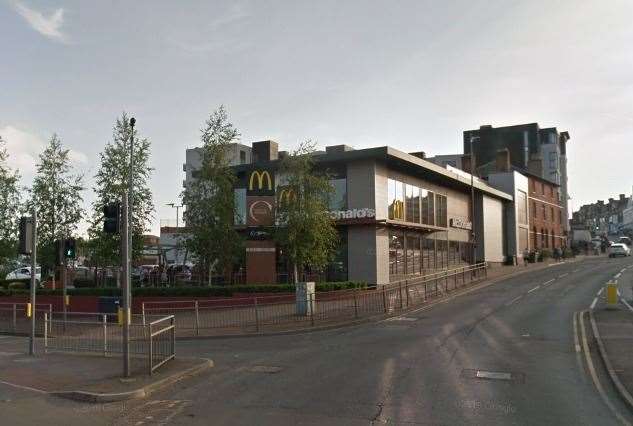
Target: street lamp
(177,207)
(472,196)
(127,237)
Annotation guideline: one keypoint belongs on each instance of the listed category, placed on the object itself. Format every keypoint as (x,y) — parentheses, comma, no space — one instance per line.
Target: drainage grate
(505,376)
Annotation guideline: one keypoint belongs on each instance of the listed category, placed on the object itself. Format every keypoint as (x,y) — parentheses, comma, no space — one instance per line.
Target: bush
(84,283)
(6,283)
(18,285)
(568,253)
(546,254)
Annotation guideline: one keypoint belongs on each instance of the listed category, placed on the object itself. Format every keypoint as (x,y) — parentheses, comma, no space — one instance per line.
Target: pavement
(505,353)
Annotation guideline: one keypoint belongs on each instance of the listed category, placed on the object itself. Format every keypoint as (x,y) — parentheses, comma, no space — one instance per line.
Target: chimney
(503,160)
(419,154)
(265,151)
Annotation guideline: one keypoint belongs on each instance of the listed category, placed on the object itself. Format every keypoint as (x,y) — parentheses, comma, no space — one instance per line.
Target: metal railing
(280,313)
(152,338)
(14,320)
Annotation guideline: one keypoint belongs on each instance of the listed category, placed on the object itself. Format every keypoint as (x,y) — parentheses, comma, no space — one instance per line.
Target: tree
(56,193)
(111,183)
(210,199)
(9,207)
(305,230)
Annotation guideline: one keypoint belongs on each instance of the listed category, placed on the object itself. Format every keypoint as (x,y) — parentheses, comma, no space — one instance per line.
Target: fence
(13,319)
(279,313)
(152,338)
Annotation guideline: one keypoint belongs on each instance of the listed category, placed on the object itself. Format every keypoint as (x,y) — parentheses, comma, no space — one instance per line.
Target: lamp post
(472,198)
(127,257)
(177,207)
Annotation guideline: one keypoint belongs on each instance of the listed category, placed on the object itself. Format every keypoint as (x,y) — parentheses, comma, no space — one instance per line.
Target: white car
(25,273)
(618,249)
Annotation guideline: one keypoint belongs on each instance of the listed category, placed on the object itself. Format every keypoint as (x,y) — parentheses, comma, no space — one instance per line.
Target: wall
(512,183)
(544,194)
(493,229)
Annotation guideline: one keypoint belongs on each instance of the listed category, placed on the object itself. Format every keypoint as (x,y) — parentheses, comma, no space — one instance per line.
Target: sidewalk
(88,378)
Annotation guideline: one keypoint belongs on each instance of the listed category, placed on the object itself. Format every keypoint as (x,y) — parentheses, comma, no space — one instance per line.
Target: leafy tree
(9,207)
(305,230)
(56,193)
(111,183)
(210,199)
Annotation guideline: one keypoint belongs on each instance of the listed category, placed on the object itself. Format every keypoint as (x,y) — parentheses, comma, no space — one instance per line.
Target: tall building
(539,152)
(237,154)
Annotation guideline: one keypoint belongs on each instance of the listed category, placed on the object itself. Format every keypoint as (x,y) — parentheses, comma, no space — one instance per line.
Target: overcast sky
(363,73)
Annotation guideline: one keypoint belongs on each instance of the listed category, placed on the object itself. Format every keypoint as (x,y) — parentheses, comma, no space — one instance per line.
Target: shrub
(6,283)
(546,254)
(84,283)
(568,253)
(18,285)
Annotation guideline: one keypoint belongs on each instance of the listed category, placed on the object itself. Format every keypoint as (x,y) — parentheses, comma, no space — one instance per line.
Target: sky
(409,74)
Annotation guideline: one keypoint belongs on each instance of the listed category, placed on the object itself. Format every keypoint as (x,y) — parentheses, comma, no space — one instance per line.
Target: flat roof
(400,158)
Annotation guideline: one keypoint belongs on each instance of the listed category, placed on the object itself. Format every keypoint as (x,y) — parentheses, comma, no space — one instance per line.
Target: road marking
(22,387)
(548,282)
(593,304)
(534,289)
(616,276)
(626,304)
(576,342)
(600,291)
(493,375)
(576,270)
(563,275)
(514,300)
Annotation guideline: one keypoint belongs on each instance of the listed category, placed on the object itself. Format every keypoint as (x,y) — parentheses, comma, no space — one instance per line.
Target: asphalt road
(420,368)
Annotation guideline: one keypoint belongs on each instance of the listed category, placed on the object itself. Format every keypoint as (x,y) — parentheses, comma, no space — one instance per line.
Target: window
(560,216)
(523,240)
(396,253)
(409,204)
(521,207)
(195,174)
(424,202)
(396,199)
(431,203)
(240,206)
(242,157)
(416,205)
(440,209)
(338,198)
(552,217)
(413,254)
(428,252)
(553,160)
(534,209)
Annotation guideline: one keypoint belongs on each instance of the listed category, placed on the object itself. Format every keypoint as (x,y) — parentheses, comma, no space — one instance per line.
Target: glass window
(416,204)
(412,204)
(240,206)
(424,199)
(521,207)
(396,199)
(428,252)
(431,201)
(242,157)
(396,253)
(523,240)
(440,209)
(338,198)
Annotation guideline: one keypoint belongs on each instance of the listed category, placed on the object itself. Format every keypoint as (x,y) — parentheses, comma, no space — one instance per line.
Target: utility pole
(125,312)
(33,281)
(177,207)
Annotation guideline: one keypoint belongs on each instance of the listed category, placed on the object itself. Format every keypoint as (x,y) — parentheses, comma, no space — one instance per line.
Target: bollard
(105,335)
(256,316)
(46,332)
(355,303)
(197,319)
(15,318)
(612,295)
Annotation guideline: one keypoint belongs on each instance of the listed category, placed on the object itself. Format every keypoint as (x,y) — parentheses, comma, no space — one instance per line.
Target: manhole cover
(265,369)
(504,376)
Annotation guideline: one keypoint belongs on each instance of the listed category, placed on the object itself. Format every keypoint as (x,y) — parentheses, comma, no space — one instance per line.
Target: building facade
(237,153)
(602,218)
(397,215)
(545,214)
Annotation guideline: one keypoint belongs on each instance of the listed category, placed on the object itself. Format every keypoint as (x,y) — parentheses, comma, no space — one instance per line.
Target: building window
(409,202)
(396,200)
(534,209)
(553,160)
(440,209)
(240,206)
(338,198)
(523,240)
(195,174)
(396,253)
(552,217)
(522,207)
(242,157)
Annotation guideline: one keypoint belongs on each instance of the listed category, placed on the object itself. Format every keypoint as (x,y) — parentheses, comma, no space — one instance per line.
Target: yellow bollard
(120,316)
(28,310)
(612,295)
(67,300)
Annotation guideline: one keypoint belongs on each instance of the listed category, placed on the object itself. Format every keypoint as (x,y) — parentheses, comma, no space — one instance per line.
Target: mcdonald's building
(397,214)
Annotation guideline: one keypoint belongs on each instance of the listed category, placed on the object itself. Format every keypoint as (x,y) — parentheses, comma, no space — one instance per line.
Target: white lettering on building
(353,214)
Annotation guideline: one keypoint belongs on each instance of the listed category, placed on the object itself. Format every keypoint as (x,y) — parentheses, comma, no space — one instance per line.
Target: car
(24,273)
(625,240)
(618,249)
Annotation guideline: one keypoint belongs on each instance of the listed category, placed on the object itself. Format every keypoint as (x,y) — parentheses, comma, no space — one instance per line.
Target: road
(504,354)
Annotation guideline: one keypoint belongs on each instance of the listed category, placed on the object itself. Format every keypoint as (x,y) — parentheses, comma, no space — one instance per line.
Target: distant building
(605,218)
(237,154)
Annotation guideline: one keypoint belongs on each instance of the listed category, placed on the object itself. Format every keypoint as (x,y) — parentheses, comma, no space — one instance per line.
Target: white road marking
(576,270)
(534,289)
(600,291)
(22,387)
(616,276)
(549,282)
(576,342)
(626,304)
(593,304)
(563,275)
(514,300)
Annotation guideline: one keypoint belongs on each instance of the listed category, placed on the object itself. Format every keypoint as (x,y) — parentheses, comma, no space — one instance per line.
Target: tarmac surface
(503,354)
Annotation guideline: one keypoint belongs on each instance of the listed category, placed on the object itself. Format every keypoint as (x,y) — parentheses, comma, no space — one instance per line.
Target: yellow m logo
(286,195)
(261,177)
(398,209)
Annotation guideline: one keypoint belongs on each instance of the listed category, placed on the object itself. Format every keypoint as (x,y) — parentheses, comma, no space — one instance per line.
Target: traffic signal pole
(125,310)
(33,281)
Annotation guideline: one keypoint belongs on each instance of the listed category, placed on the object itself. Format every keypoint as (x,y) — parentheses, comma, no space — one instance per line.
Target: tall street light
(177,207)
(472,197)
(127,237)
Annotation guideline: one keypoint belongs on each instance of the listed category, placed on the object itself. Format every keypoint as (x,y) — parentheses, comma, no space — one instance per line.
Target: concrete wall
(512,183)
(493,229)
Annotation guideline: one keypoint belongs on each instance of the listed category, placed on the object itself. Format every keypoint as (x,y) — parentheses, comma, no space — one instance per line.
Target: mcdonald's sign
(261,182)
(397,210)
(285,195)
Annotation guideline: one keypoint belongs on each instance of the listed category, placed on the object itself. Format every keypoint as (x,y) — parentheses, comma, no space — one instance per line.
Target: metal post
(33,282)
(384,298)
(312,309)
(63,277)
(197,319)
(46,332)
(143,312)
(15,318)
(256,316)
(355,303)
(105,335)
(126,283)
(400,294)
(150,351)
(472,199)
(406,289)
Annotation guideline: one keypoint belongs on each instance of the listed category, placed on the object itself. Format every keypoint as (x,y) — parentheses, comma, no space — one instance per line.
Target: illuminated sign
(285,195)
(260,211)
(353,214)
(461,223)
(398,209)
(261,182)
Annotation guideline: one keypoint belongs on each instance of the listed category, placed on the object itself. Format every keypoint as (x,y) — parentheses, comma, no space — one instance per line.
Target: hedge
(6,283)
(217,291)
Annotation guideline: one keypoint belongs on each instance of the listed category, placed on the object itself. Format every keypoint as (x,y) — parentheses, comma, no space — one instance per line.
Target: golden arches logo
(398,209)
(286,195)
(261,177)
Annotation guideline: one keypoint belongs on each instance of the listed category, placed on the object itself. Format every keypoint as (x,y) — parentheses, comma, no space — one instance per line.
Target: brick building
(545,214)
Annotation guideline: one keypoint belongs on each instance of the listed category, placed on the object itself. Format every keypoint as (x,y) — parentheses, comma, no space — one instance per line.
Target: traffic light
(111,216)
(26,235)
(59,253)
(70,248)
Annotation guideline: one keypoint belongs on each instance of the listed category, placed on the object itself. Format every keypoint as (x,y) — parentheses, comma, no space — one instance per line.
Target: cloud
(48,26)
(24,148)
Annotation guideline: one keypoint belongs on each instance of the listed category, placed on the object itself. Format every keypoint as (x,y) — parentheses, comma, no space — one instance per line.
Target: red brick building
(546,214)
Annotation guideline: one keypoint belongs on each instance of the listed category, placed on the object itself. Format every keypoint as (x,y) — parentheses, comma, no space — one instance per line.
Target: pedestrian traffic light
(70,248)
(26,235)
(111,216)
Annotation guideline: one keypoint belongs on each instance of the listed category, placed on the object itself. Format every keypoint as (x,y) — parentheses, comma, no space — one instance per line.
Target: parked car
(179,272)
(618,249)
(24,273)
(625,240)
